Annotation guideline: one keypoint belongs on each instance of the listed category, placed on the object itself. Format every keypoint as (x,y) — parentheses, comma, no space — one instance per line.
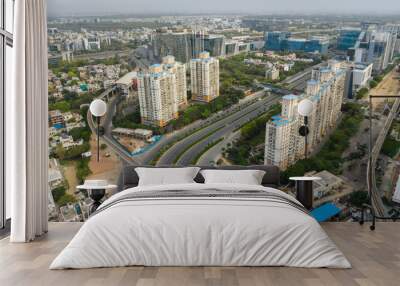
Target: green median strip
(168,146)
(194,143)
(180,138)
(208,147)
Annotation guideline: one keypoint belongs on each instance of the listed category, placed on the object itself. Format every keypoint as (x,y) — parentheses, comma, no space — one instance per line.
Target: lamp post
(304,185)
(98,108)
(305,109)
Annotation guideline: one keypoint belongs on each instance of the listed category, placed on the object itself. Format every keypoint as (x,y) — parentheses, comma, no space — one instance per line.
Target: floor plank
(375,257)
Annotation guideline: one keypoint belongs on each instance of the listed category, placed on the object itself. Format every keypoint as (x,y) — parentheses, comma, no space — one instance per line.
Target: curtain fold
(26,123)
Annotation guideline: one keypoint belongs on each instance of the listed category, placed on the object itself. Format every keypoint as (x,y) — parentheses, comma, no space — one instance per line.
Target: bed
(198,224)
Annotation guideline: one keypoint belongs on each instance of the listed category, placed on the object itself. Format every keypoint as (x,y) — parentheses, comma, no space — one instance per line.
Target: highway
(175,136)
(299,80)
(197,149)
(301,83)
(197,142)
(211,156)
(376,197)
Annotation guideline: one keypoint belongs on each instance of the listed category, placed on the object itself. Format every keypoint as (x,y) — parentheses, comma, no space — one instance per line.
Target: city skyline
(175,7)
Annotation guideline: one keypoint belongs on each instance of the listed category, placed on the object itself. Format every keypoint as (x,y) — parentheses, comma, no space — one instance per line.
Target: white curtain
(26,123)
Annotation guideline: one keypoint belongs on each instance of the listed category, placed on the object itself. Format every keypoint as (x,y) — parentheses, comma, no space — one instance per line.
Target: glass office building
(215,45)
(320,45)
(347,39)
(281,41)
(296,45)
(276,41)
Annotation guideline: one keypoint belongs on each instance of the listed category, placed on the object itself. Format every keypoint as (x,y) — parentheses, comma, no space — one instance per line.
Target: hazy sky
(101,7)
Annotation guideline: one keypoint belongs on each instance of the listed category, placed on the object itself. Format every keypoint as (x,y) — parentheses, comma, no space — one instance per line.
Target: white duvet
(202,232)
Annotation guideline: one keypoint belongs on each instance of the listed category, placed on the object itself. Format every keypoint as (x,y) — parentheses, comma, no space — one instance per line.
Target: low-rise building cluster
(89,78)
(275,63)
(60,124)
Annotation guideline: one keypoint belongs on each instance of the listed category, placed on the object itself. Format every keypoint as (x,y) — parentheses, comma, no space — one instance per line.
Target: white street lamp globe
(305,107)
(98,107)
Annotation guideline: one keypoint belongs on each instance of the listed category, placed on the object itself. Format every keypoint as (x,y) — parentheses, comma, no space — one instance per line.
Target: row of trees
(391,147)
(362,92)
(192,113)
(252,135)
(72,101)
(132,121)
(198,111)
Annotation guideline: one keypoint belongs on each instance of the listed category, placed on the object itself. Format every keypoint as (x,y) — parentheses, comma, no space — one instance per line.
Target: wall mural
(226,95)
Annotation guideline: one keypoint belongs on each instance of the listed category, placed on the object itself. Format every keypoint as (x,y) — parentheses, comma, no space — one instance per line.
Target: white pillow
(247,177)
(166,176)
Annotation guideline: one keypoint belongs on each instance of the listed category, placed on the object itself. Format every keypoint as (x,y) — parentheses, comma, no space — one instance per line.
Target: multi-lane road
(222,130)
(183,151)
(299,80)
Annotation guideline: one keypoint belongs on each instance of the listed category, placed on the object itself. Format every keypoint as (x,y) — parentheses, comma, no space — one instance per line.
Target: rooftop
(327,178)
(297,39)
(132,131)
(279,121)
(54,175)
(374,255)
(325,212)
(290,97)
(127,79)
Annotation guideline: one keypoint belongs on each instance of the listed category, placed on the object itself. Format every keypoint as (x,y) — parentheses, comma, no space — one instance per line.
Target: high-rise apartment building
(157,96)
(179,70)
(204,74)
(283,145)
(282,142)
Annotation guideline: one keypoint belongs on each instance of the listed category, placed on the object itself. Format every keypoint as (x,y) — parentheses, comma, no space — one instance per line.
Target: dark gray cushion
(129,178)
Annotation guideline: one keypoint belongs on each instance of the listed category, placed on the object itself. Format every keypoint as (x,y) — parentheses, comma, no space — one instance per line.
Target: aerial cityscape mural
(224,90)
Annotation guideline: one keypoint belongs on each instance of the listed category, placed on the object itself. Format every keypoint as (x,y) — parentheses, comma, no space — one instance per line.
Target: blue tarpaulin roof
(58,126)
(325,212)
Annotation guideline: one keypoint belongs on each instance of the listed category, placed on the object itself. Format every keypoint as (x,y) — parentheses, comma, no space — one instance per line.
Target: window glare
(9,63)
(9,9)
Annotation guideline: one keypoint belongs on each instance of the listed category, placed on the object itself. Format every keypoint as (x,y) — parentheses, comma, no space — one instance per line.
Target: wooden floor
(375,257)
